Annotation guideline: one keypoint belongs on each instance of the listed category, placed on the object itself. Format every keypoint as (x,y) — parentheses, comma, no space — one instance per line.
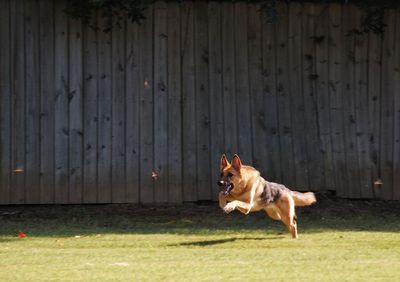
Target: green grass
(339,241)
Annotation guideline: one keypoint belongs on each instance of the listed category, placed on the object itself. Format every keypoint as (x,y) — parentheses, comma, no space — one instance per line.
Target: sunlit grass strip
(202,246)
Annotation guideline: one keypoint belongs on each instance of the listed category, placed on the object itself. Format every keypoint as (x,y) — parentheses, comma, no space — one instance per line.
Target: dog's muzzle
(226,186)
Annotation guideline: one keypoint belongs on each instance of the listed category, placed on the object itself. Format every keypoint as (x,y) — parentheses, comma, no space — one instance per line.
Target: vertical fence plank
(284,100)
(269,121)
(228,76)
(374,68)
(160,102)
(386,142)
(5,102)
(202,101)
(75,112)
(146,109)
(396,117)
(90,118)
(361,105)
(257,97)
(321,80)
(17,70)
(348,88)
(296,96)
(46,102)
(188,103)
(104,112)
(132,90)
(174,104)
(313,143)
(32,115)
(61,106)
(335,97)
(215,89)
(243,105)
(118,112)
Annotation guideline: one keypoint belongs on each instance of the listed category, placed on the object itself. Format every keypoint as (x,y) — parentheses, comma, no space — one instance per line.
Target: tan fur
(303,199)
(247,191)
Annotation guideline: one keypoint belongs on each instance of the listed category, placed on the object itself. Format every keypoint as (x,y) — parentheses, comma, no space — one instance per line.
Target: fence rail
(142,114)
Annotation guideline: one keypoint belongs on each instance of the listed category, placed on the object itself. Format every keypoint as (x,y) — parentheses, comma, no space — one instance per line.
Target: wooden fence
(142,114)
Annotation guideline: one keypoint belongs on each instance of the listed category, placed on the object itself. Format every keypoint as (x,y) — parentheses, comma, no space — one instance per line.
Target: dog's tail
(303,199)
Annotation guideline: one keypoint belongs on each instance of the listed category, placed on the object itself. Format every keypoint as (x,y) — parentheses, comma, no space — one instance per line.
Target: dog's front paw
(249,209)
(228,208)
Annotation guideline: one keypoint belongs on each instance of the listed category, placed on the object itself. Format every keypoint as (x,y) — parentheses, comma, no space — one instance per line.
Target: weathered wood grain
(146,109)
(242,93)
(202,125)
(75,98)
(296,96)
(313,142)
(90,114)
(284,100)
(336,97)
(387,107)
(374,102)
(143,113)
(352,188)
(47,101)
(160,102)
(118,109)
(361,105)
(174,72)
(396,117)
(61,105)
(132,91)
(215,89)
(32,115)
(228,80)
(320,40)
(104,68)
(18,101)
(5,103)
(259,108)
(189,150)
(268,112)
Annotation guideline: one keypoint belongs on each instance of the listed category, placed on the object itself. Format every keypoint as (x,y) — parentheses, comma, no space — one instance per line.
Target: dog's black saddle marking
(272,192)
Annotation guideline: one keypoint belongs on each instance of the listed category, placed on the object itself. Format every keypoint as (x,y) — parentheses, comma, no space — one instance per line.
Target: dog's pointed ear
(224,162)
(236,162)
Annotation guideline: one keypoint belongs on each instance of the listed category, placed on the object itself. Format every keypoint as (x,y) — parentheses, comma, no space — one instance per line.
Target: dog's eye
(222,174)
(230,174)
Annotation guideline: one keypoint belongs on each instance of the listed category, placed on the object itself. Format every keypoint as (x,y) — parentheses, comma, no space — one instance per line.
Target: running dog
(244,189)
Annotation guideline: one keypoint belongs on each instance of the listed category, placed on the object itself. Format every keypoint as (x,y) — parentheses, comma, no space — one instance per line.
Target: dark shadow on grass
(205,243)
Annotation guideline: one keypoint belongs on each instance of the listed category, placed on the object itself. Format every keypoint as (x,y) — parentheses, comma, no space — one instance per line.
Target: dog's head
(230,173)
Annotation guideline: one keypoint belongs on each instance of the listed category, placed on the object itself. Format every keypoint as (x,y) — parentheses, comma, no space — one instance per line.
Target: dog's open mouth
(228,188)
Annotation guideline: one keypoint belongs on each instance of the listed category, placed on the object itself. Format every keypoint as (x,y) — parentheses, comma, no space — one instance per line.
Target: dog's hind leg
(273,212)
(288,216)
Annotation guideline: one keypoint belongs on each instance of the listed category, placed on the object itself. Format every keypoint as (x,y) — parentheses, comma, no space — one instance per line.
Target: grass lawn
(339,241)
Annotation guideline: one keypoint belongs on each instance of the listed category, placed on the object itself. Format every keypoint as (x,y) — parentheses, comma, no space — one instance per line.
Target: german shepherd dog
(244,189)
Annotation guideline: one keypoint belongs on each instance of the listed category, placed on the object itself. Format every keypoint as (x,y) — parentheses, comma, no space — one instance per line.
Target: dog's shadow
(206,243)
